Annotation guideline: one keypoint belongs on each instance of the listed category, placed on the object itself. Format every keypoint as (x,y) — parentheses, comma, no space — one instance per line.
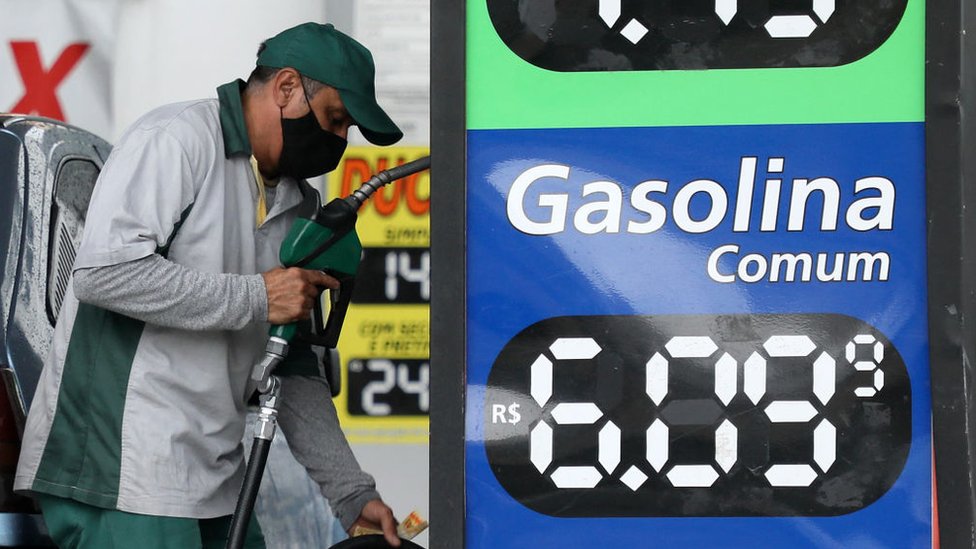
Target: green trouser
(75,525)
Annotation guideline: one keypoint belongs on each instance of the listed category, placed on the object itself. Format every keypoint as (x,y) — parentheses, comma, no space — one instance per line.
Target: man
(134,435)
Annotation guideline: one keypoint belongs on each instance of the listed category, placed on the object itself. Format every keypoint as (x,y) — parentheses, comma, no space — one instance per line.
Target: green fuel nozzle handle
(284,331)
(328,241)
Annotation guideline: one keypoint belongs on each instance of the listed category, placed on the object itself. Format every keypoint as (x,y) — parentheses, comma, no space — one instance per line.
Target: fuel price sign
(695,301)
(656,405)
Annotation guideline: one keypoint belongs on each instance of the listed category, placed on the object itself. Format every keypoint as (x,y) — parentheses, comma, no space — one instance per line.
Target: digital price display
(694,34)
(759,415)
(399,275)
(380,387)
(696,300)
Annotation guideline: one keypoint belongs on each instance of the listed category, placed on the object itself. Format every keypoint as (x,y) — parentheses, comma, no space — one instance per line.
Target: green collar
(232,119)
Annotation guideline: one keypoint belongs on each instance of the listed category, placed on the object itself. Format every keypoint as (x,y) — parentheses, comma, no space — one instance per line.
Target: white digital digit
(609,11)
(873,365)
(420,387)
(569,413)
(420,275)
(379,387)
(726,434)
(796,411)
(783,26)
(726,10)
(391,284)
(800,26)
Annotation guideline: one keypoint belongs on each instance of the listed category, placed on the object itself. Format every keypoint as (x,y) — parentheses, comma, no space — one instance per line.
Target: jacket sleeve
(309,421)
(158,291)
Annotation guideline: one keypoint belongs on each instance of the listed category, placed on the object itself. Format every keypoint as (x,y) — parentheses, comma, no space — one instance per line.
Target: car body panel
(33,156)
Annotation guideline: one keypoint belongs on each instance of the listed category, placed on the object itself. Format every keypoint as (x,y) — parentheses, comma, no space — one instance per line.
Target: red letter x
(40,85)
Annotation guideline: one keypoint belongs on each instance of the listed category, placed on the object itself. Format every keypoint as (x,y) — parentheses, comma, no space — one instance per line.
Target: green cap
(322,53)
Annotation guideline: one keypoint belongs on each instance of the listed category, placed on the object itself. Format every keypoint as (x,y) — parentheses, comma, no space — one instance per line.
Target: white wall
(175,50)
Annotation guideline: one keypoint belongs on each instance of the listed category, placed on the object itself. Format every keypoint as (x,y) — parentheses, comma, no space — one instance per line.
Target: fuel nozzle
(340,213)
(327,241)
(274,353)
(360,195)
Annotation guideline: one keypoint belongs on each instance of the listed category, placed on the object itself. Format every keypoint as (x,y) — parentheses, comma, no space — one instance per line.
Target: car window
(72,192)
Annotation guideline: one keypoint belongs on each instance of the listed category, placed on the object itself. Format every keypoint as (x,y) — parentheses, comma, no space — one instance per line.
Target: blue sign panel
(698,336)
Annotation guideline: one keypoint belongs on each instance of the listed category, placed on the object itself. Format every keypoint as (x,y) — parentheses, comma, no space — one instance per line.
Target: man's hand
(378,516)
(292,292)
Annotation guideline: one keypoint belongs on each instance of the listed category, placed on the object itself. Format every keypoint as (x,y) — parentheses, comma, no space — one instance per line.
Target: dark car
(47,172)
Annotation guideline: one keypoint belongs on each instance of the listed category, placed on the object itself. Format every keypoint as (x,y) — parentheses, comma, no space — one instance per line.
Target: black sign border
(950,134)
(448,272)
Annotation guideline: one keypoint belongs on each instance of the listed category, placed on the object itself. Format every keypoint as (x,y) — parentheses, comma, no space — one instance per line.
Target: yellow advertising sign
(385,341)
(399,213)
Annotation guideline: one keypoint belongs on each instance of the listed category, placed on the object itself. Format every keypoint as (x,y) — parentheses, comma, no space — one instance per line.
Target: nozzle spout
(384,177)
(274,353)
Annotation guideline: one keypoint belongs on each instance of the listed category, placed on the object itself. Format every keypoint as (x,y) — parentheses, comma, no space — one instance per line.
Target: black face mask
(306,149)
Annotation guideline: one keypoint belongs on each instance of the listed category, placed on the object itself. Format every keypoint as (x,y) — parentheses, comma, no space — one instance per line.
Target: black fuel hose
(356,199)
(249,493)
(372,542)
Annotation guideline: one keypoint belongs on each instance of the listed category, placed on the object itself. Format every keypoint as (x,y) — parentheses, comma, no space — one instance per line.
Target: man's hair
(261,75)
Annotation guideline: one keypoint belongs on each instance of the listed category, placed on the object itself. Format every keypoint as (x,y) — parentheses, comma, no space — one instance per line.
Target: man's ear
(286,83)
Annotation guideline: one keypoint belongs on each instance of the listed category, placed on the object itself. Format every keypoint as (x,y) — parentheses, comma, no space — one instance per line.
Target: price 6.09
(622,408)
